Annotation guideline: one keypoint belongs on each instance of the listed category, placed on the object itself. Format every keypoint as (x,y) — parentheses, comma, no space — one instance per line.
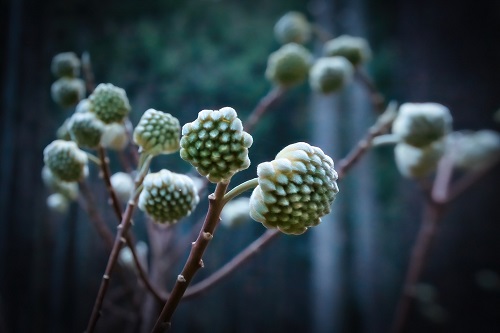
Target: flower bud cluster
(289,65)
(330,74)
(65,64)
(67,91)
(474,150)
(65,160)
(292,27)
(413,162)
(85,129)
(157,133)
(295,190)
(354,49)
(216,145)
(67,189)
(109,103)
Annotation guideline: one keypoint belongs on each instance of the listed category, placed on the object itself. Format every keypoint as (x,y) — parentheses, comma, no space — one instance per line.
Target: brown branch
(194,261)
(376,97)
(262,107)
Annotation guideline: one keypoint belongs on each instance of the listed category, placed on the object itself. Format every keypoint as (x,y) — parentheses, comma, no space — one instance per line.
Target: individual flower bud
(289,65)
(109,103)
(354,49)
(58,203)
(67,91)
(216,145)
(123,185)
(157,133)
(65,64)
(474,150)
(167,197)
(292,27)
(65,160)
(126,258)
(420,124)
(413,162)
(85,129)
(115,137)
(62,132)
(295,190)
(83,106)
(68,189)
(330,74)
(235,212)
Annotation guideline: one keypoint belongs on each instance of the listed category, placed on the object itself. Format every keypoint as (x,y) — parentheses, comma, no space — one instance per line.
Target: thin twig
(262,107)
(376,97)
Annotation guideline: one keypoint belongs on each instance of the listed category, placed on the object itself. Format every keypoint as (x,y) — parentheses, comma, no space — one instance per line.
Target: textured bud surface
(216,145)
(65,64)
(292,27)
(158,133)
(167,197)
(109,103)
(68,189)
(354,49)
(330,74)
(420,124)
(123,184)
(235,212)
(413,162)
(67,91)
(85,129)
(114,137)
(289,65)
(295,190)
(65,160)
(474,150)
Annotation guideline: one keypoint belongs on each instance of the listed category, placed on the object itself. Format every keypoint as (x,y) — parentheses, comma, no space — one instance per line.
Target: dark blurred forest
(185,56)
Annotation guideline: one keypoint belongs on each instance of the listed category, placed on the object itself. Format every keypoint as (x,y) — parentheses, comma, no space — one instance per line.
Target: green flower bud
(167,197)
(67,91)
(157,133)
(330,74)
(413,162)
(65,64)
(289,65)
(109,103)
(68,189)
(216,145)
(295,190)
(58,203)
(420,124)
(354,49)
(292,27)
(235,212)
(123,184)
(65,160)
(474,150)
(115,137)
(85,129)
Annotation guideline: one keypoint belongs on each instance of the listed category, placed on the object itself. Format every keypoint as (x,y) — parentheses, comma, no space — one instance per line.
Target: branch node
(201,263)
(105,277)
(181,278)
(207,236)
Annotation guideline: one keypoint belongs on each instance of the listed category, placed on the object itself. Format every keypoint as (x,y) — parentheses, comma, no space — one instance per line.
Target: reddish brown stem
(262,108)
(377,99)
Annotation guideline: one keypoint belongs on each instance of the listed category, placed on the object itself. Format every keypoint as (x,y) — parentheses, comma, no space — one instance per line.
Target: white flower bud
(474,150)
(68,189)
(289,65)
(115,137)
(292,27)
(330,74)
(413,162)
(58,203)
(123,184)
(354,49)
(235,212)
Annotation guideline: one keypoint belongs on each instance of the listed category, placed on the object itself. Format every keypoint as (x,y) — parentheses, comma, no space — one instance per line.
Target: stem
(263,106)
(119,241)
(385,140)
(93,158)
(248,185)
(376,97)
(194,261)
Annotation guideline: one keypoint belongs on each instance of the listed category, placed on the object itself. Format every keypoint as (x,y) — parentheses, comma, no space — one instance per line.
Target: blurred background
(184,56)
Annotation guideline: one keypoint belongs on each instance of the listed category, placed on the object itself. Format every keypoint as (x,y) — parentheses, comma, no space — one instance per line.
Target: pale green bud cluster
(109,103)
(330,74)
(413,162)
(157,133)
(58,203)
(292,27)
(235,212)
(66,64)
(115,136)
(85,129)
(420,124)
(354,49)
(67,189)
(474,150)
(167,197)
(289,65)
(216,145)
(295,190)
(83,106)
(123,185)
(65,160)
(67,91)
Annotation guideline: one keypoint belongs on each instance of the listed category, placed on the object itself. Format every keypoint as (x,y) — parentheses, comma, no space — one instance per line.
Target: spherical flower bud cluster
(292,27)
(420,124)
(289,65)
(67,189)
(157,133)
(474,150)
(354,49)
(67,91)
(216,145)
(413,162)
(235,212)
(330,74)
(65,160)
(295,190)
(167,197)
(65,64)
(109,103)
(85,129)
(115,137)
(123,184)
